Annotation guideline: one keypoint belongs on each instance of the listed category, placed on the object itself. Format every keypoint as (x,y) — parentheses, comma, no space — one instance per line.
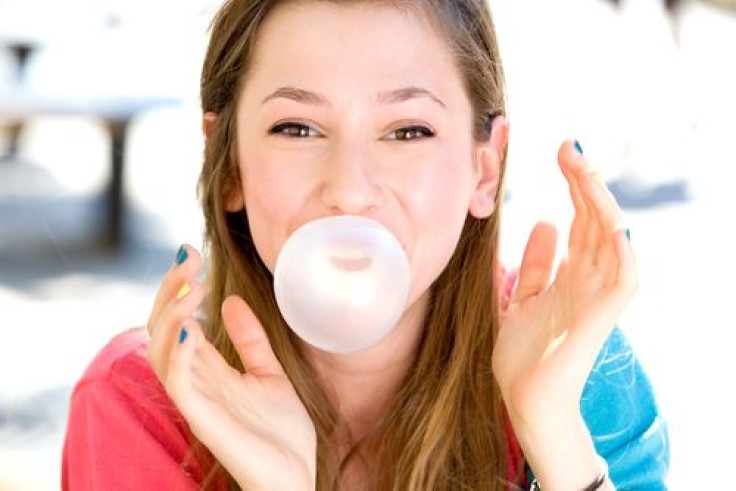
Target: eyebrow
(298,95)
(406,93)
(387,97)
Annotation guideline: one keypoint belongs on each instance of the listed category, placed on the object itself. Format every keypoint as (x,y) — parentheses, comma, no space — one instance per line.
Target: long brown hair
(445,427)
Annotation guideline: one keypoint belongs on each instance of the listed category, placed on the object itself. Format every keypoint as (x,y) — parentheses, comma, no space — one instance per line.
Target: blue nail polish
(628,235)
(181,255)
(182,335)
(578,148)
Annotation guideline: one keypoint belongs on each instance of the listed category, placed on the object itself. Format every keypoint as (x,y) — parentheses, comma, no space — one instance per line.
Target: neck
(363,385)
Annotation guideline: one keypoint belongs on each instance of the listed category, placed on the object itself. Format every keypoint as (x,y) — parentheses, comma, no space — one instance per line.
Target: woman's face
(358,109)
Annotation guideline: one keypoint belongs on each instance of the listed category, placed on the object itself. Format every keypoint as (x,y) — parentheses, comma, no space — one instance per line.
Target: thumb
(249,338)
(536,266)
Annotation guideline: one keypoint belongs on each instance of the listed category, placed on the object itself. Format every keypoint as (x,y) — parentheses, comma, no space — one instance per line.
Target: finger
(607,210)
(187,264)
(192,395)
(569,160)
(537,263)
(206,399)
(249,338)
(178,379)
(210,369)
(627,279)
(608,218)
(588,181)
(585,344)
(165,332)
(193,371)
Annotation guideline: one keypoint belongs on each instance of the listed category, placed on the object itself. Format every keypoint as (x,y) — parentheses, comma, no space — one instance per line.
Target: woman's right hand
(253,423)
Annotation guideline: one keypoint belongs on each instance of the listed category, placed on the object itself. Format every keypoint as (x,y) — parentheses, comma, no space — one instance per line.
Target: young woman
(392,111)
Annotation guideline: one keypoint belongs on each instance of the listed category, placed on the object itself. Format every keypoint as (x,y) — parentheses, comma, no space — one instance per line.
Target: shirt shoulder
(122,367)
(123,429)
(123,364)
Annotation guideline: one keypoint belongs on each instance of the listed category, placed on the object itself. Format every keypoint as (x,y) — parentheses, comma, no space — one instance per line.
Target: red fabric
(515,461)
(124,433)
(123,430)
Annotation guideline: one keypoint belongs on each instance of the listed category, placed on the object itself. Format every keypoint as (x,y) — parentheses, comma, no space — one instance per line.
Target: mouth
(350,265)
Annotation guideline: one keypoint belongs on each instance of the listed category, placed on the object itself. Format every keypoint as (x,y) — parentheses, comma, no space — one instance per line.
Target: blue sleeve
(619,408)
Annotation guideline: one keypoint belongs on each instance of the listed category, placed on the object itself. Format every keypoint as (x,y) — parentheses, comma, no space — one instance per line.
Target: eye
(294,130)
(411,133)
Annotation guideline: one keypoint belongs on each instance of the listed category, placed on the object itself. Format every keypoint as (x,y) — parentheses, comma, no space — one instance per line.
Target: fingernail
(181,255)
(627,231)
(599,178)
(182,335)
(596,176)
(578,148)
(183,291)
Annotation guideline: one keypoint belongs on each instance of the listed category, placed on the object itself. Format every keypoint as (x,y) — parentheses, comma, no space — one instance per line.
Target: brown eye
(411,133)
(293,130)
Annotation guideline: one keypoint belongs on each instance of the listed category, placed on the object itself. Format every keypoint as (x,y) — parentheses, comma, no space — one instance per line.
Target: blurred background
(100,148)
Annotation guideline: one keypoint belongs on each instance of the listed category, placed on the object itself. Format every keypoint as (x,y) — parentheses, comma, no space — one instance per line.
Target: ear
(208,122)
(234,202)
(489,155)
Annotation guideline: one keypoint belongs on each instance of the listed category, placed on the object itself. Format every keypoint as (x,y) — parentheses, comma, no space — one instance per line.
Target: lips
(350,265)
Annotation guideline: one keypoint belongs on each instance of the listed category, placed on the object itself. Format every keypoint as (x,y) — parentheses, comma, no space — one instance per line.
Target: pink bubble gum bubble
(342,283)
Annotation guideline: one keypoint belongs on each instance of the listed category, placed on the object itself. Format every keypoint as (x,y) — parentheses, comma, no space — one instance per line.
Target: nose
(350,186)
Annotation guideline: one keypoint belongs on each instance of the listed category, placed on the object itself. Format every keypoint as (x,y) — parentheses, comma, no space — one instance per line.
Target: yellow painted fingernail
(598,178)
(183,291)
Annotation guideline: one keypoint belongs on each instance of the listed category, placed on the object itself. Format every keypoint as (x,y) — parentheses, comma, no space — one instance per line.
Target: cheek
(433,251)
(439,190)
(439,208)
(270,202)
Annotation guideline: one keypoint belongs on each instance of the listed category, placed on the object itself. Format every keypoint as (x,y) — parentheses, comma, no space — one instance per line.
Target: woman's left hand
(551,334)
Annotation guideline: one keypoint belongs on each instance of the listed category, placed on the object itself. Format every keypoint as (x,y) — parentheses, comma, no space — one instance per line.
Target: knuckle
(172,378)
(628,284)
(154,358)
(179,313)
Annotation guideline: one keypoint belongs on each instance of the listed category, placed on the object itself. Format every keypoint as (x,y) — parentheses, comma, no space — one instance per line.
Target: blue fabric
(619,408)
(621,413)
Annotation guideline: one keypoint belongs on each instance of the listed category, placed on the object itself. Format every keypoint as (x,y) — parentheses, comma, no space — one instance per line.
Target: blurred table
(72,60)
(21,49)
(116,113)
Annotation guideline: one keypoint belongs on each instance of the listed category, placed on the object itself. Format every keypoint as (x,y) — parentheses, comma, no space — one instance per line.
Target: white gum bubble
(342,283)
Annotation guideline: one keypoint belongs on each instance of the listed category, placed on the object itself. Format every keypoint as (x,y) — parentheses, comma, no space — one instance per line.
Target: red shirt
(125,433)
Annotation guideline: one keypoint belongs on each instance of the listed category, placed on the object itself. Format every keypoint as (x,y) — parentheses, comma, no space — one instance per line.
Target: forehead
(318,41)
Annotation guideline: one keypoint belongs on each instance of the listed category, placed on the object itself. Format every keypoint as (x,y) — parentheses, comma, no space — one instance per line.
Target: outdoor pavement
(651,104)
